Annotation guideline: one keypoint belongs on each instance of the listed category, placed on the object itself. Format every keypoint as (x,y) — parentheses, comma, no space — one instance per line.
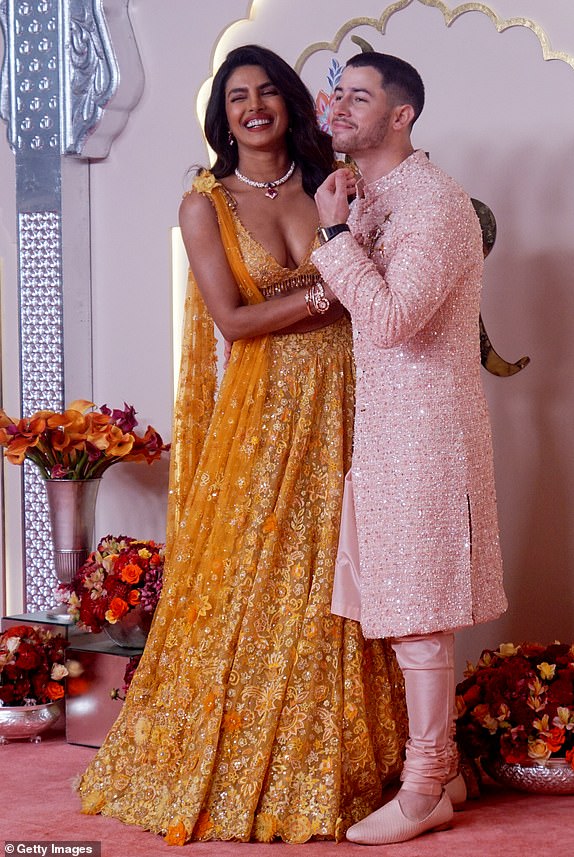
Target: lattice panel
(41,323)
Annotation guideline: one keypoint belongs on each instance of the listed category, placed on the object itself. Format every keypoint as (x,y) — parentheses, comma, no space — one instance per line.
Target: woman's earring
(230,138)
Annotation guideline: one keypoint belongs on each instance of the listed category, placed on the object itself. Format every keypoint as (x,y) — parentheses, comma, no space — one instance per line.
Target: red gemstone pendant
(271,192)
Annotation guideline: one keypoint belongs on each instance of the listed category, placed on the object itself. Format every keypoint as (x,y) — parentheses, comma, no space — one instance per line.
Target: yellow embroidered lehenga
(255,713)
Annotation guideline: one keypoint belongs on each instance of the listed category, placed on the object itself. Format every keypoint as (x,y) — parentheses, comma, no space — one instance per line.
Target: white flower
(74,668)
(59,672)
(507,650)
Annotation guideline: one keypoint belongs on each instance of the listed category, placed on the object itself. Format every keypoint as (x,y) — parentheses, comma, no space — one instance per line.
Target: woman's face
(256,111)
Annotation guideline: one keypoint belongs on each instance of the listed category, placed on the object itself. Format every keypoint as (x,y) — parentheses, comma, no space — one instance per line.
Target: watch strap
(325,233)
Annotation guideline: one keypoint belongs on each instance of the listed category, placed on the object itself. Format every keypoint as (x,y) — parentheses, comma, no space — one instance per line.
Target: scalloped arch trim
(450,16)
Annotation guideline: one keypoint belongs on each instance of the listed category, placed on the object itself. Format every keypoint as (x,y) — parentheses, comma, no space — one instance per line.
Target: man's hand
(331,197)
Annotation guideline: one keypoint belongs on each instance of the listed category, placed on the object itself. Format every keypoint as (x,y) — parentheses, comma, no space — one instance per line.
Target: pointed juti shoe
(389,824)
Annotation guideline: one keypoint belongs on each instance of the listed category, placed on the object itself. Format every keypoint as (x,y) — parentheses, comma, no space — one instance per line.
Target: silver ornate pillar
(64,100)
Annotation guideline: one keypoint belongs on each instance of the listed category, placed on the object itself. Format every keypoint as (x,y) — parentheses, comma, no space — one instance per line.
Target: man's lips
(341,124)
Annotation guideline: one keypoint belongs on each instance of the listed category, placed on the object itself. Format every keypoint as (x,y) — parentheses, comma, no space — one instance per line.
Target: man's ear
(403,116)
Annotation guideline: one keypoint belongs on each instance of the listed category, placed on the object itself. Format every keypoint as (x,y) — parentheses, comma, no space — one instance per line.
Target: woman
(252,714)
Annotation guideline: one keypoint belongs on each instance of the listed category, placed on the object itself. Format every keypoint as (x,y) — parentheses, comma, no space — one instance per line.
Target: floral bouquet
(122,574)
(32,666)
(79,443)
(517,704)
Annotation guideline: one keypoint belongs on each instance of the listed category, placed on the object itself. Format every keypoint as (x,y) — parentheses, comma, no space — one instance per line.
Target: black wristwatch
(325,233)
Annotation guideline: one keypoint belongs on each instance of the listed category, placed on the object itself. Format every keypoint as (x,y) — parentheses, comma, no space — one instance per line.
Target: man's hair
(401,81)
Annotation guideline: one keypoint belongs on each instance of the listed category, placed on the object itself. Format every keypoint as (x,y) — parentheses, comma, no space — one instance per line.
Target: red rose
(131,573)
(54,690)
(472,696)
(555,739)
(27,658)
(134,597)
(118,608)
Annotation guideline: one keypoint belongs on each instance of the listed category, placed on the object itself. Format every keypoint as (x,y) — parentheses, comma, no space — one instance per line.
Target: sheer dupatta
(235,416)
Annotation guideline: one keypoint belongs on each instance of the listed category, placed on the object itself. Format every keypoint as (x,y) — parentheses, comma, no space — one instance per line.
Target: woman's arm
(200,232)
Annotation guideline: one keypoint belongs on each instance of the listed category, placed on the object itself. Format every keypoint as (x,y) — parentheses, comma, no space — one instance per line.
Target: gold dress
(255,713)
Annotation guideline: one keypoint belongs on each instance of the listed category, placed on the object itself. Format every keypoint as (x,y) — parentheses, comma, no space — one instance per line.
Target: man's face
(362,112)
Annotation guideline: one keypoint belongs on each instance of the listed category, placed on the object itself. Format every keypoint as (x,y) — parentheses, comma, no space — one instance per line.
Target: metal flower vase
(27,721)
(72,505)
(131,630)
(553,777)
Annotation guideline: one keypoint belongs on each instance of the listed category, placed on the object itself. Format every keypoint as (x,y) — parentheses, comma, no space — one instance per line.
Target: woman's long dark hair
(307,145)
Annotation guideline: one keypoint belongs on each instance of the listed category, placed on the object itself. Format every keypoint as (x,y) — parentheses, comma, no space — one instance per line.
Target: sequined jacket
(410,274)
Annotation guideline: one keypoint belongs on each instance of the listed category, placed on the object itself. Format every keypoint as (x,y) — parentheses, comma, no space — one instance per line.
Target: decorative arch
(450,16)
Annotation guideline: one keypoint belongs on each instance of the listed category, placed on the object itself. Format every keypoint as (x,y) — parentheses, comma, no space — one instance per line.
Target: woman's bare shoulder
(196,210)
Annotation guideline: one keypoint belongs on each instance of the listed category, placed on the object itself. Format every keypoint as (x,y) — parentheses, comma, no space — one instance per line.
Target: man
(407,263)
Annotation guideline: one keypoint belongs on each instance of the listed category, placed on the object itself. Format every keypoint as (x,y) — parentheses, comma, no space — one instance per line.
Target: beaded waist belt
(298,281)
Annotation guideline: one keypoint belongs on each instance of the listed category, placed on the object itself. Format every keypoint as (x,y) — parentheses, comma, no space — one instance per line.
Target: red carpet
(37,803)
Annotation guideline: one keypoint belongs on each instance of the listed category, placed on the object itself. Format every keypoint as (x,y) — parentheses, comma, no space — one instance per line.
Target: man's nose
(341,105)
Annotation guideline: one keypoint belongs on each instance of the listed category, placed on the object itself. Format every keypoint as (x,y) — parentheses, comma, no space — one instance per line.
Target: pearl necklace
(270,187)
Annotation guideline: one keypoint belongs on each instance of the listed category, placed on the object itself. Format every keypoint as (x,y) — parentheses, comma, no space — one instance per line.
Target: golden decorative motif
(205,182)
(450,16)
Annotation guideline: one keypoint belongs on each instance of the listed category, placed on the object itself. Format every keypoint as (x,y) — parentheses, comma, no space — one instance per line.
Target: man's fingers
(331,198)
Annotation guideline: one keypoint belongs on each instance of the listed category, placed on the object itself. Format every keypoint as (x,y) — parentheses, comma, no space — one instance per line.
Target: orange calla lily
(78,443)
(71,420)
(81,405)
(97,422)
(119,444)
(19,448)
(32,427)
(59,440)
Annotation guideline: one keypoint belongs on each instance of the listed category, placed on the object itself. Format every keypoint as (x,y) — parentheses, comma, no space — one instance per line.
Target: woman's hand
(227,345)
(314,322)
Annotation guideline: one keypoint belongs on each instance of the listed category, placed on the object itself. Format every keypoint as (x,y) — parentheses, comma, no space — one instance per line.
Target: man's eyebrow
(354,89)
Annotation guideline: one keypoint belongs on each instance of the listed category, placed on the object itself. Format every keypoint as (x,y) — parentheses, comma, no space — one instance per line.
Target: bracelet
(316,299)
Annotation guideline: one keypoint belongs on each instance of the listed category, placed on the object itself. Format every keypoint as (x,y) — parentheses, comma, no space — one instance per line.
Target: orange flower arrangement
(120,575)
(32,666)
(79,443)
(517,704)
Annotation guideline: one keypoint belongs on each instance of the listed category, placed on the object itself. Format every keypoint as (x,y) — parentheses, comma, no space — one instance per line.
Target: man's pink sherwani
(422,474)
